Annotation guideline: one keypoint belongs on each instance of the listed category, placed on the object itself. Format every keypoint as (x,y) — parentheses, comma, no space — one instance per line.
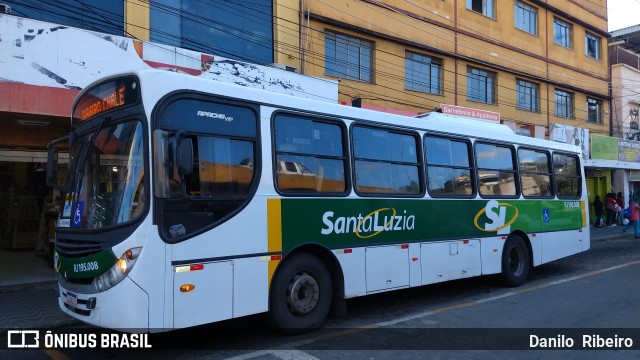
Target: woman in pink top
(633,221)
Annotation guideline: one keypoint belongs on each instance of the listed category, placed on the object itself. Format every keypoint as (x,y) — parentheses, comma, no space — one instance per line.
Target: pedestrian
(633,221)
(610,204)
(598,208)
(620,201)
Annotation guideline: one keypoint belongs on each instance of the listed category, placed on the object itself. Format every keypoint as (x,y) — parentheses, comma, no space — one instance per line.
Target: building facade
(535,62)
(624,55)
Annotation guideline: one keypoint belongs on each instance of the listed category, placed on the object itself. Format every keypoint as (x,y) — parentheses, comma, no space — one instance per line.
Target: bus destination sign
(105,97)
(108,102)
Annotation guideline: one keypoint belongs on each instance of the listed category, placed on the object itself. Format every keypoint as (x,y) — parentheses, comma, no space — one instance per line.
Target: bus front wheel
(300,295)
(515,262)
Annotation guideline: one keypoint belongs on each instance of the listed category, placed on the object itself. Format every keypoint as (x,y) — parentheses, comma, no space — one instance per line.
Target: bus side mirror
(184,156)
(53,159)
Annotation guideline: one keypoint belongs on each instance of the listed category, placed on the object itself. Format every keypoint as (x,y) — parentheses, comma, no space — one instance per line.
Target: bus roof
(163,82)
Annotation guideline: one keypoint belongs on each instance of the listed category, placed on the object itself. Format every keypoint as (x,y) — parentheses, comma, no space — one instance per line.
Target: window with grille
(527,95)
(592,46)
(526,18)
(484,7)
(594,114)
(423,73)
(564,104)
(562,32)
(348,57)
(481,85)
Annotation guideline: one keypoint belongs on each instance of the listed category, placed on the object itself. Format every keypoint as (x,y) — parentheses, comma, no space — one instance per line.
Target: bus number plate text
(572,204)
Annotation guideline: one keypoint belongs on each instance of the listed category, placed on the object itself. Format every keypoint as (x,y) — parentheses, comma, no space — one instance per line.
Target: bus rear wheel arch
(301,294)
(516,261)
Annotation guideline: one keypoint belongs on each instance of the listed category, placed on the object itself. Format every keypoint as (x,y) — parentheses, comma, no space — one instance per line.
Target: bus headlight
(118,271)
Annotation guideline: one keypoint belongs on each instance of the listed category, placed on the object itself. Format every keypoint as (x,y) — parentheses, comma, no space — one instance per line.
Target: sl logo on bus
(496,213)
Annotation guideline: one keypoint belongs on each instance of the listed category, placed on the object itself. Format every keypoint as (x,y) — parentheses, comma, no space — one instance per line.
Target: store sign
(471,113)
(571,135)
(604,147)
(593,173)
(629,150)
(523,132)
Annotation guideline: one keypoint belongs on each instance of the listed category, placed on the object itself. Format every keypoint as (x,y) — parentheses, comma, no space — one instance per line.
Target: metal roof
(630,35)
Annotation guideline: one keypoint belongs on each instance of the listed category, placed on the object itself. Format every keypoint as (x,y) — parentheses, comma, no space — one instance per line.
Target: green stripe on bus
(356,222)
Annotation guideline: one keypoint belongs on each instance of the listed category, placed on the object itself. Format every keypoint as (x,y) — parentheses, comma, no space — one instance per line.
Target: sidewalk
(610,233)
(36,305)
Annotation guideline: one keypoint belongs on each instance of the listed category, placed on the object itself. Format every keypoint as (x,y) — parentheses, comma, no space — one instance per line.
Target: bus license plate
(72,300)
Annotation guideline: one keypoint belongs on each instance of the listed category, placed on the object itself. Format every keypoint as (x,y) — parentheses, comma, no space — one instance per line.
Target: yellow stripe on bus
(274,224)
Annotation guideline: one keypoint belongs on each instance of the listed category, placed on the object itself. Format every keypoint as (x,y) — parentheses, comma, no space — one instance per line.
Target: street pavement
(36,305)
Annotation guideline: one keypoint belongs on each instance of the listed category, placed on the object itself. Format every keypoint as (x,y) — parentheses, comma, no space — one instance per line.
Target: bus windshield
(107,180)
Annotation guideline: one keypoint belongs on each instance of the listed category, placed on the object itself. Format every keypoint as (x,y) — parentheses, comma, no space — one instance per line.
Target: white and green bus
(190,201)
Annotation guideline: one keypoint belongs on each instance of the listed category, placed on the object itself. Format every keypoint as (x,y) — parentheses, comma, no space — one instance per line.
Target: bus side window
(496,170)
(568,179)
(386,161)
(449,168)
(309,156)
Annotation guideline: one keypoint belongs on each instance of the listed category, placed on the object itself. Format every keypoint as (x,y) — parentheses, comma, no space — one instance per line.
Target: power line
(320,57)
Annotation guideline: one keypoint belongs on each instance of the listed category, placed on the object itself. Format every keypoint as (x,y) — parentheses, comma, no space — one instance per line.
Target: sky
(623,13)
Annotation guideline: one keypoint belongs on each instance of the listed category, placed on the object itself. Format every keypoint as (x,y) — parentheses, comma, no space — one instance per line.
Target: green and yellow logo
(496,212)
(367,226)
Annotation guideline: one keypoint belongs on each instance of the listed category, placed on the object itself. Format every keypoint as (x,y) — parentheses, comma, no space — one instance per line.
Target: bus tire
(300,296)
(515,262)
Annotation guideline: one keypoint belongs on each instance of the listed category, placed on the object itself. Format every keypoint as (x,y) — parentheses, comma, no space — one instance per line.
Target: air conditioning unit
(5,9)
(284,67)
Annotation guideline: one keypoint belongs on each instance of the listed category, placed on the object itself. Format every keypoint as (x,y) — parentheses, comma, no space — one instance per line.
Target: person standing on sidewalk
(598,208)
(620,201)
(633,221)
(610,204)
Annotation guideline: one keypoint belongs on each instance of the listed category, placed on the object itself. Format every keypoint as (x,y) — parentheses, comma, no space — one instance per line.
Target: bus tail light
(118,271)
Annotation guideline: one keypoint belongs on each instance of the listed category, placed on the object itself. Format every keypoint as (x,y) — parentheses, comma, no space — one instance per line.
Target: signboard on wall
(629,150)
(471,113)
(593,173)
(571,135)
(604,147)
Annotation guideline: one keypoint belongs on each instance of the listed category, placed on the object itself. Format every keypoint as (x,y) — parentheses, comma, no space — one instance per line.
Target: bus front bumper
(124,307)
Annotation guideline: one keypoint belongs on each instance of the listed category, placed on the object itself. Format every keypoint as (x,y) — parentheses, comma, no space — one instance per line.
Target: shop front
(614,167)
(30,117)
(598,182)
(634,185)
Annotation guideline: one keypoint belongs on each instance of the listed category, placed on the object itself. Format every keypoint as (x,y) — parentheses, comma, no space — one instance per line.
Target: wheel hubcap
(302,293)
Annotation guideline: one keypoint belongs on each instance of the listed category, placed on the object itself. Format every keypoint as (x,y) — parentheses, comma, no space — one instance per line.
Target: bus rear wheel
(300,295)
(515,262)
